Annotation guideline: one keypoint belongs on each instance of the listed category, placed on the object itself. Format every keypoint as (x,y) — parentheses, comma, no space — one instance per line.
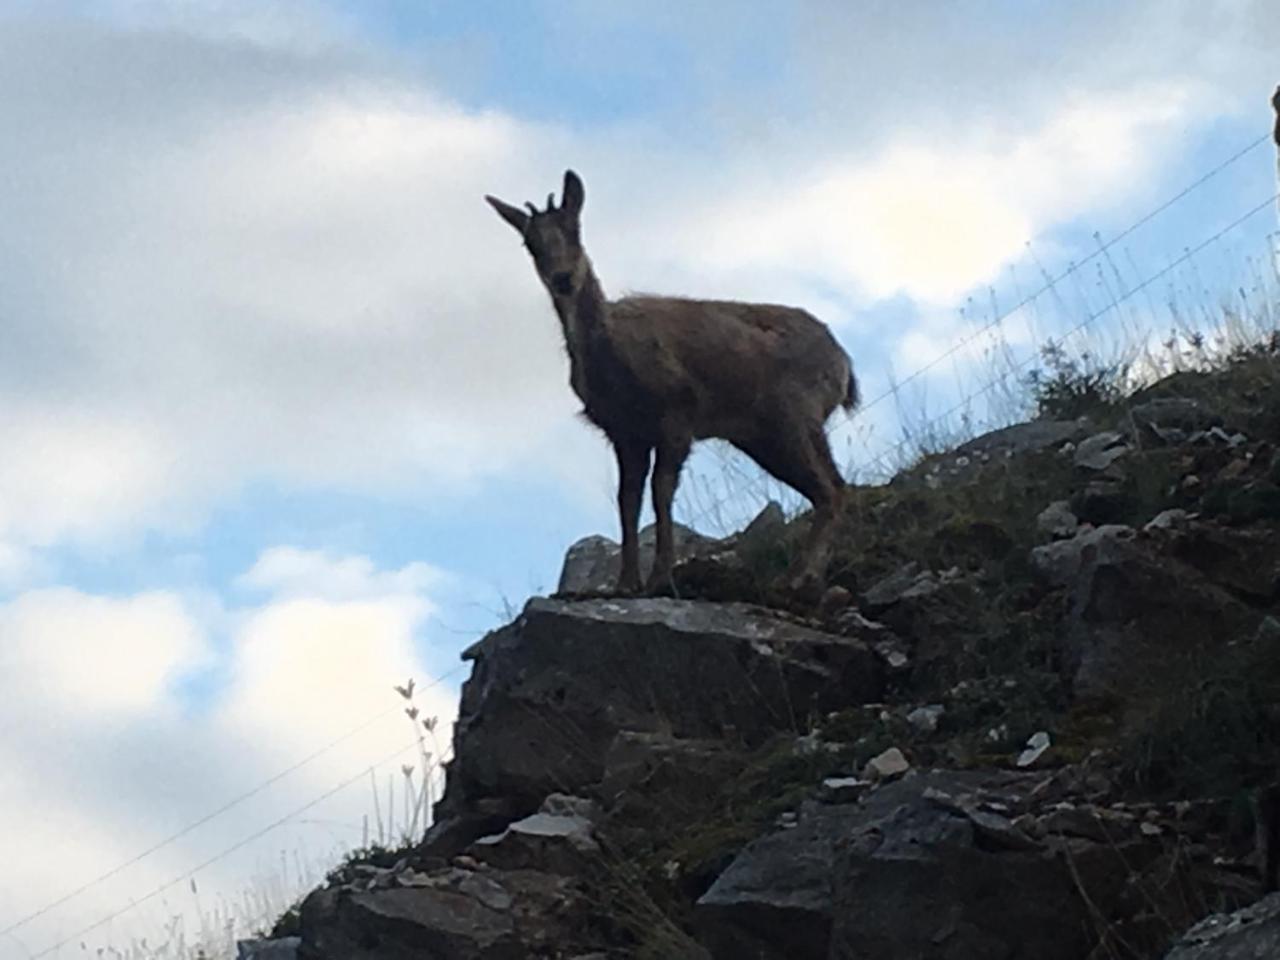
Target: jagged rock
(1060,563)
(1023,438)
(453,830)
(550,692)
(1104,501)
(1035,749)
(1130,604)
(592,564)
(843,789)
(991,824)
(1057,520)
(916,877)
(963,464)
(1100,450)
(1244,561)
(929,865)
(774,900)
(891,763)
(1173,413)
(765,530)
(555,839)
(280,948)
(1252,933)
(451,914)
(925,718)
(907,583)
(1088,821)
(1232,440)
(1168,520)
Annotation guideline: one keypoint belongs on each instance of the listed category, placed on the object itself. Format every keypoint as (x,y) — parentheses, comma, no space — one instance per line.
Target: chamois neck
(583,314)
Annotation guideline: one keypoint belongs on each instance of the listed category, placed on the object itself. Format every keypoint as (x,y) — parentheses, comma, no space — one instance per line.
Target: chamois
(657,373)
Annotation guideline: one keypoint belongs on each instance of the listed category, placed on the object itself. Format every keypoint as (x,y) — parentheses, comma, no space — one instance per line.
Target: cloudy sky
(283,410)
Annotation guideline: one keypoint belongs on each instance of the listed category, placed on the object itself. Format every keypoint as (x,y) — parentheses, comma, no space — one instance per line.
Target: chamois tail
(851,396)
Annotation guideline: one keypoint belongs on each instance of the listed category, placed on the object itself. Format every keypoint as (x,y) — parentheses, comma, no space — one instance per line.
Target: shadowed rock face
(930,866)
(550,692)
(714,780)
(1249,934)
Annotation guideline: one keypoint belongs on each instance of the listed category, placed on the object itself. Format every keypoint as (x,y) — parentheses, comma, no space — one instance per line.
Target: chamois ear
(571,203)
(513,215)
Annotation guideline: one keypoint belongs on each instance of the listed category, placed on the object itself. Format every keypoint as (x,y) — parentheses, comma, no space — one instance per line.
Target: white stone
(889,764)
(925,719)
(1035,749)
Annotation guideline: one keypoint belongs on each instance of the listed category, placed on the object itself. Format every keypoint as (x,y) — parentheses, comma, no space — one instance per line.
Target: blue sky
(285,411)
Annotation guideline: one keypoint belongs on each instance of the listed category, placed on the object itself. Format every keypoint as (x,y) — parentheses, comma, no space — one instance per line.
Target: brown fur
(1275,105)
(658,373)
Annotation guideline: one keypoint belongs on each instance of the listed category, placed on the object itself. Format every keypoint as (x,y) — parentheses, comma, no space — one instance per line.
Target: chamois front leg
(633,467)
(672,454)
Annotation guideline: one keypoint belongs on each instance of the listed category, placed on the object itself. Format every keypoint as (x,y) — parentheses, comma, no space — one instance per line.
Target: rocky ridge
(1026,721)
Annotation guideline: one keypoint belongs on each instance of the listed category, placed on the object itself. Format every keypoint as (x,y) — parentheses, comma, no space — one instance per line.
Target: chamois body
(658,373)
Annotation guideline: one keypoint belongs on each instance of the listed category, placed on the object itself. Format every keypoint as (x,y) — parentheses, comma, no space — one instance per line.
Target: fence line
(1054,281)
(1048,286)
(190,874)
(1082,325)
(231,804)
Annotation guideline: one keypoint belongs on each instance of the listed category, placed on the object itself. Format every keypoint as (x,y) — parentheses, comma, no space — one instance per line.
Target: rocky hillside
(1035,716)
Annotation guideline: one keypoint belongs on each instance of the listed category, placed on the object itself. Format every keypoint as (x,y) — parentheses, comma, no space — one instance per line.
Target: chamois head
(553,237)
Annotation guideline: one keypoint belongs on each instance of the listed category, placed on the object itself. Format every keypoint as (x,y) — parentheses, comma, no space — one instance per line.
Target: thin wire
(1051,283)
(1186,255)
(225,853)
(955,348)
(1031,298)
(216,813)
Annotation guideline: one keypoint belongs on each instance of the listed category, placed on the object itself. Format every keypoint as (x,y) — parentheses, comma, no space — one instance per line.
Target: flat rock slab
(449,915)
(567,676)
(550,692)
(1249,934)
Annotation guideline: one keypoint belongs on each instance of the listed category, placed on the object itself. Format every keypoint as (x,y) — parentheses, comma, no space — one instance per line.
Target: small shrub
(1069,387)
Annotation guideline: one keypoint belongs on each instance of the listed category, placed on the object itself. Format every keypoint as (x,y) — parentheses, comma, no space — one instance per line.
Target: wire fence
(237,801)
(744,486)
(226,852)
(719,501)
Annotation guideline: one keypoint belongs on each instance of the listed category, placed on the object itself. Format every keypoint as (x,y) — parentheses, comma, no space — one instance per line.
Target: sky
(284,409)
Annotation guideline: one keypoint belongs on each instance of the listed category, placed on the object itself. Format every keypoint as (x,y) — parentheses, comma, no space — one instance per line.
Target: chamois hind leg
(817,551)
(633,467)
(799,456)
(672,453)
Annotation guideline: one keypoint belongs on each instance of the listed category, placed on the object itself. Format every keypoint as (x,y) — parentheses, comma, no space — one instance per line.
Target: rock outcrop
(1023,722)
(1252,933)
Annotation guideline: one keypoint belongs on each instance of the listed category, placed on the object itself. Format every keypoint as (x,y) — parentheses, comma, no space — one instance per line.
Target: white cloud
(104,761)
(292,572)
(239,261)
(67,650)
(930,220)
(18,566)
(295,278)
